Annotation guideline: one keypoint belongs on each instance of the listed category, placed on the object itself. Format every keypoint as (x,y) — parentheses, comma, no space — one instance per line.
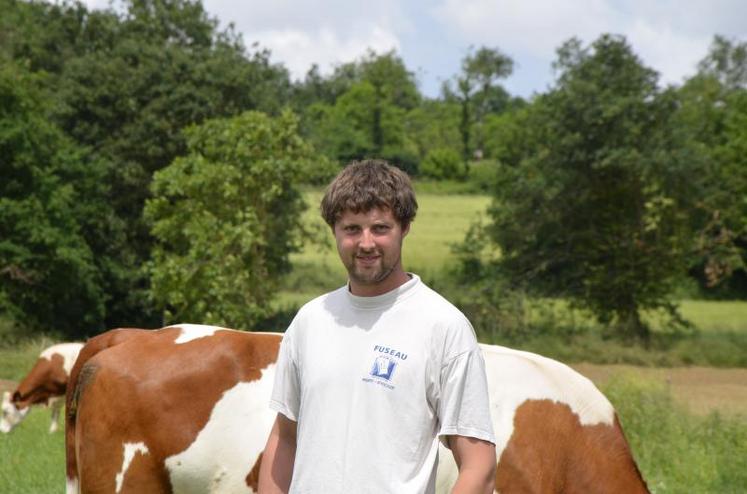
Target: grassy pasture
(715,315)
(676,451)
(33,461)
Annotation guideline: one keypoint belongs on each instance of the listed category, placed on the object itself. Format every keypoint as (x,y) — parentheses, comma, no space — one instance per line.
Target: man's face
(370,247)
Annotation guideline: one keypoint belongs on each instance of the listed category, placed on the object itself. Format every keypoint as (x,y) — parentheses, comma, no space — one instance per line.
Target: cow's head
(12,415)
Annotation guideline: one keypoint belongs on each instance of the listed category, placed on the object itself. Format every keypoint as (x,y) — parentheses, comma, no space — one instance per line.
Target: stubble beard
(371,277)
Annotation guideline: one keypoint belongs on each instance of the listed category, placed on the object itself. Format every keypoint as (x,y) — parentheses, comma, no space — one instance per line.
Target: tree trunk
(630,326)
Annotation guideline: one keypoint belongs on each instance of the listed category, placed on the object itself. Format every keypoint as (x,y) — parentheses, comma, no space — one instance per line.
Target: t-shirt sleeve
(464,408)
(286,397)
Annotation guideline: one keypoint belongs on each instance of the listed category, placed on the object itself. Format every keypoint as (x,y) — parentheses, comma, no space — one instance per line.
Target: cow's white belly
(224,452)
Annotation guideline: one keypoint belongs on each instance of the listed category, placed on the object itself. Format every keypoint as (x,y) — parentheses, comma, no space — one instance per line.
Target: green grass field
(716,316)
(678,452)
(33,461)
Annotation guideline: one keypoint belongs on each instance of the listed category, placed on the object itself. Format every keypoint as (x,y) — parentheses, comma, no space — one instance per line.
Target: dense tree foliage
(478,94)
(594,208)
(713,115)
(226,215)
(367,117)
(52,216)
(608,188)
(125,85)
(164,67)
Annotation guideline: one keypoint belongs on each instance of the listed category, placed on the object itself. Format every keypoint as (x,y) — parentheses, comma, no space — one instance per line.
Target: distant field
(701,390)
(715,315)
(442,220)
(706,315)
(16,361)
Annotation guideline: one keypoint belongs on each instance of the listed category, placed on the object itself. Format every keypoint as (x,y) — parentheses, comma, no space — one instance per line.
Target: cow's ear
(6,397)
(16,397)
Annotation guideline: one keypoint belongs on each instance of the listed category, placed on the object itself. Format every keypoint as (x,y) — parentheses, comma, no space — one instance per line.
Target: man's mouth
(367,259)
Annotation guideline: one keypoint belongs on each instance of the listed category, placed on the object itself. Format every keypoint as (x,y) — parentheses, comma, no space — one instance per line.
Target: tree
(441,164)
(727,61)
(367,117)
(593,205)
(478,94)
(52,214)
(712,114)
(434,123)
(225,217)
(123,85)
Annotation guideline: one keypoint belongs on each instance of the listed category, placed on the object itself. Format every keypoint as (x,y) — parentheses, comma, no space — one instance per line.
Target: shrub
(442,163)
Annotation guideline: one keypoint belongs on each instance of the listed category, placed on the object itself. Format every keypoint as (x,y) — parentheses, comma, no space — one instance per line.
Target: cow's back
(174,409)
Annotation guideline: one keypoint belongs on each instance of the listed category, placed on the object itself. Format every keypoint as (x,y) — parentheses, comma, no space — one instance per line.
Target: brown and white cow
(45,384)
(185,409)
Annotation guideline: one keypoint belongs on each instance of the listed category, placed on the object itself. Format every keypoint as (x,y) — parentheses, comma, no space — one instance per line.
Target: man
(370,375)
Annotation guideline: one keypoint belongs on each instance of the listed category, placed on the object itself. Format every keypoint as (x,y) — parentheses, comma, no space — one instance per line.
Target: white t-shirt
(372,383)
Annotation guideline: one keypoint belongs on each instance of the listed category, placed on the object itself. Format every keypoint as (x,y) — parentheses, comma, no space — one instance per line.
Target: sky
(433,36)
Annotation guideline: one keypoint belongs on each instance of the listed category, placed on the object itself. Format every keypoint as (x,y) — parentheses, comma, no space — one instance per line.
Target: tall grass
(678,452)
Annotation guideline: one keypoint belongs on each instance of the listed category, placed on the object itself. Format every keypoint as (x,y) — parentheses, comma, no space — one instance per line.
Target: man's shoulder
(452,333)
(437,305)
(323,302)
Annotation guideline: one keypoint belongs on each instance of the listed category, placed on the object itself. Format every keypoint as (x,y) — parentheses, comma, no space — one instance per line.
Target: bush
(442,163)
(226,217)
(483,174)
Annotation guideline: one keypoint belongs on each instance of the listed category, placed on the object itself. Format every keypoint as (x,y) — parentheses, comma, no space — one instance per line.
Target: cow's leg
(110,465)
(55,404)
(114,456)
(141,472)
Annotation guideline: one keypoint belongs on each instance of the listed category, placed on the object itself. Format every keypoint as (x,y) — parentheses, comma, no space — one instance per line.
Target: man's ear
(405,230)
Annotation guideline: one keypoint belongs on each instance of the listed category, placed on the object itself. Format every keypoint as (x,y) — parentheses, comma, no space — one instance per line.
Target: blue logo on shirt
(383,367)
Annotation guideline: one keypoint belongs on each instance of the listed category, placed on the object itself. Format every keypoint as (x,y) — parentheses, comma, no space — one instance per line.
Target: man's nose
(367,240)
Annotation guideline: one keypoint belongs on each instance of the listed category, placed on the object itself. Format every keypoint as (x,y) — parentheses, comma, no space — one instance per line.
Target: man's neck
(395,279)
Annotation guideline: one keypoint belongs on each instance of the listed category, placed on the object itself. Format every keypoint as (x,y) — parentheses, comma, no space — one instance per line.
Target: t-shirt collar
(385,299)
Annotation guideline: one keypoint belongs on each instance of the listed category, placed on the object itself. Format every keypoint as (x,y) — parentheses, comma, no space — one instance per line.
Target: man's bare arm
(476,461)
(276,469)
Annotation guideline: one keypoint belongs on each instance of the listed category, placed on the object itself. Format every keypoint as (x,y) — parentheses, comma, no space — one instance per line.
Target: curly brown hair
(368,184)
